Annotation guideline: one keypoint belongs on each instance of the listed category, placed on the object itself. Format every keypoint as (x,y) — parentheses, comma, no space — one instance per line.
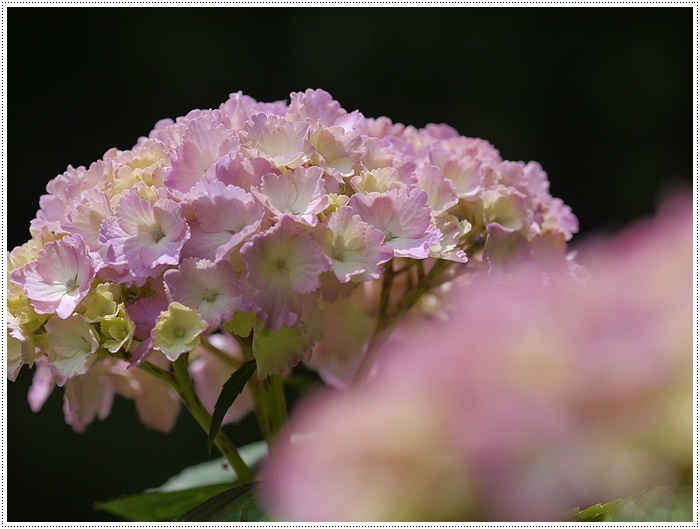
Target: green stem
(385,320)
(185,389)
(429,281)
(270,406)
(159,373)
(268,399)
(367,361)
(384,297)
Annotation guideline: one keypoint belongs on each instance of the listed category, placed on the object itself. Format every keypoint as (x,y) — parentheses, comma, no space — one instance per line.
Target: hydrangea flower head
(270,222)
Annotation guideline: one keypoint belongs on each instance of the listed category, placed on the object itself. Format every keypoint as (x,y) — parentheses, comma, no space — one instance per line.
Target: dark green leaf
(239,504)
(230,390)
(160,506)
(183,491)
(215,471)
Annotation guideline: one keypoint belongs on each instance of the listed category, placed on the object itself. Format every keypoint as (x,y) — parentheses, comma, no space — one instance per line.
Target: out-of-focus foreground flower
(529,400)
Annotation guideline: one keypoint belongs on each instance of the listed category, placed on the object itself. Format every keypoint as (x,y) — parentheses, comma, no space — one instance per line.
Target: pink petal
(300,193)
(143,312)
(205,141)
(281,142)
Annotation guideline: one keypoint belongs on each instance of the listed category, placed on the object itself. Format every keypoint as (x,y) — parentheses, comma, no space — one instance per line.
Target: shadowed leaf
(239,504)
(160,506)
(230,390)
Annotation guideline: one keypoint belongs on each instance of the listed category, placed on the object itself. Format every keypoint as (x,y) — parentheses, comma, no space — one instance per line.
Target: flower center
(209,295)
(157,234)
(339,249)
(179,333)
(71,285)
(281,264)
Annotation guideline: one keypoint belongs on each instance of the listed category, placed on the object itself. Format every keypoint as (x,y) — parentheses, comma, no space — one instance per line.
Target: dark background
(602,98)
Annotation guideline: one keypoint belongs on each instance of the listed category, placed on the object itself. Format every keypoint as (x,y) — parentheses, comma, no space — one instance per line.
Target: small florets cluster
(265,213)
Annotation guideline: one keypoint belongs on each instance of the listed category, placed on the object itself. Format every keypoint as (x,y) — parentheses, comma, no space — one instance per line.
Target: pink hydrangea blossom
(20,347)
(43,383)
(72,346)
(377,180)
(281,142)
(282,263)
(235,169)
(356,249)
(300,193)
(404,218)
(85,219)
(441,192)
(146,236)
(144,312)
(157,404)
(60,277)
(319,108)
(378,154)
(239,108)
(225,217)
(466,174)
(211,289)
(205,140)
(88,397)
(337,151)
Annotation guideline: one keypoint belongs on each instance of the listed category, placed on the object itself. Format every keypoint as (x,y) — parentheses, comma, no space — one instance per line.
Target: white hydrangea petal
(72,342)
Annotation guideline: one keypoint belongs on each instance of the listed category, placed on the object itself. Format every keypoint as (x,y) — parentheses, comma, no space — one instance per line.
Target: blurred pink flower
(530,400)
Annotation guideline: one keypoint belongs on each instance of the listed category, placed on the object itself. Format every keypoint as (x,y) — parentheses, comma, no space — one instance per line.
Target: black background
(602,98)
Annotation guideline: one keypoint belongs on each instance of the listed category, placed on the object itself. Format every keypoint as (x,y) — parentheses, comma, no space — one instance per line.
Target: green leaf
(231,389)
(594,513)
(183,491)
(239,504)
(212,472)
(658,505)
(160,506)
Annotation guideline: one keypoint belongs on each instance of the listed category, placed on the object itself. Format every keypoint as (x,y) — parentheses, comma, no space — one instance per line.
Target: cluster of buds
(261,221)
